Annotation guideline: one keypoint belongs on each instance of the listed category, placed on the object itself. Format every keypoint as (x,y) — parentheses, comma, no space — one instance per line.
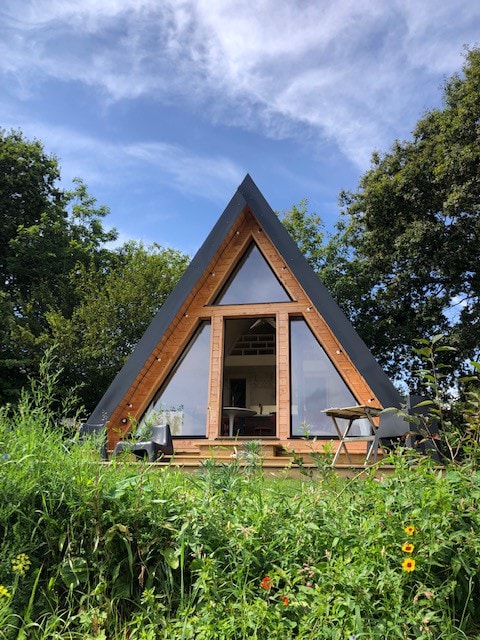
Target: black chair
(159,445)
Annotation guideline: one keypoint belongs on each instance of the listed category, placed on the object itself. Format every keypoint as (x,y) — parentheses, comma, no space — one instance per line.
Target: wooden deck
(276,458)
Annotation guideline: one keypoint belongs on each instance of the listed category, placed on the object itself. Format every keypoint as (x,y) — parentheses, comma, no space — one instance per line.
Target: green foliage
(114,551)
(407,251)
(451,426)
(306,229)
(319,464)
(45,233)
(116,305)
(59,282)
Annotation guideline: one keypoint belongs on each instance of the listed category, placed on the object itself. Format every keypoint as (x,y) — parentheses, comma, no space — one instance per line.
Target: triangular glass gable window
(253,281)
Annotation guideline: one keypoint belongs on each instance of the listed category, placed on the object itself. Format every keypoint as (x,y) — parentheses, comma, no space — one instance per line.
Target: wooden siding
(198,307)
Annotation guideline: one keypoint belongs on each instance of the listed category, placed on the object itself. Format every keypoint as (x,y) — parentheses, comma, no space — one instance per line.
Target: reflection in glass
(253,282)
(182,401)
(249,373)
(315,384)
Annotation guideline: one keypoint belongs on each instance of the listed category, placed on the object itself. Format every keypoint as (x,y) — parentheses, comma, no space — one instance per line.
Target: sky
(163,106)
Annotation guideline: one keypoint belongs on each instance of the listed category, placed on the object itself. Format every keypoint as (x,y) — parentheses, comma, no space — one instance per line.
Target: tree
(306,229)
(61,285)
(117,305)
(407,251)
(45,233)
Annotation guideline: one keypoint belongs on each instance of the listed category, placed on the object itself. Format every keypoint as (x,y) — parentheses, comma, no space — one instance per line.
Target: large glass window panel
(315,384)
(253,281)
(182,401)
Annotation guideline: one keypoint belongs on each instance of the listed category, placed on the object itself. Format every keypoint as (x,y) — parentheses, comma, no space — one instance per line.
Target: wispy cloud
(99,161)
(197,175)
(343,70)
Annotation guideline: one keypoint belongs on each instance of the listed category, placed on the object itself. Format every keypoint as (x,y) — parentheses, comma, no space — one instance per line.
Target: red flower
(285,601)
(266,583)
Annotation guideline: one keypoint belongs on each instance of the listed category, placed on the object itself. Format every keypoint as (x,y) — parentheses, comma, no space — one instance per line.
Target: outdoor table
(235,412)
(359,412)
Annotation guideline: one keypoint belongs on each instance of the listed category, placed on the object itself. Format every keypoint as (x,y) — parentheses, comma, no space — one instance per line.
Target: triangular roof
(249,196)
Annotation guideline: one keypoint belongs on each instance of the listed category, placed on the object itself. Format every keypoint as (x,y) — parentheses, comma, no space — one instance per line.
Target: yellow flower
(409,530)
(4,592)
(21,564)
(408,564)
(407,547)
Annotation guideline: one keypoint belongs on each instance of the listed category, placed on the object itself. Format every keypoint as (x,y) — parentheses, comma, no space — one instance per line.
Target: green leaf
(423,351)
(74,571)
(171,557)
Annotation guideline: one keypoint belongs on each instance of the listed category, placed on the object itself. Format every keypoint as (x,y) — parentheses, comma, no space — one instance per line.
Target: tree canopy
(307,230)
(60,281)
(116,307)
(45,232)
(405,261)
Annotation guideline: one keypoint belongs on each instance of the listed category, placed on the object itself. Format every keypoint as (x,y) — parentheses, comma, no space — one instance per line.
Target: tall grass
(124,551)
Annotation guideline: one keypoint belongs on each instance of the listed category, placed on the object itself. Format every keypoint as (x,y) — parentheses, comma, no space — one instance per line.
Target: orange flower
(266,583)
(285,601)
(407,547)
(409,530)
(408,564)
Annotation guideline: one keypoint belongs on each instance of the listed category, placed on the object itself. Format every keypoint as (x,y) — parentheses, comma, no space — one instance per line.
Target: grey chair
(422,413)
(426,438)
(392,426)
(159,445)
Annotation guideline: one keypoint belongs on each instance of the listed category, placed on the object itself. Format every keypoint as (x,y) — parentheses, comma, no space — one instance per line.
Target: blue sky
(163,106)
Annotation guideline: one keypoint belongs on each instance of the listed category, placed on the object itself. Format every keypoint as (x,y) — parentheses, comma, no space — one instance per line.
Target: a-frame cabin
(250,326)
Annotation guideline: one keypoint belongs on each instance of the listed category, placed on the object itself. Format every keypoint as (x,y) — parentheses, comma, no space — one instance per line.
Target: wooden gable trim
(165,353)
(197,306)
(302,305)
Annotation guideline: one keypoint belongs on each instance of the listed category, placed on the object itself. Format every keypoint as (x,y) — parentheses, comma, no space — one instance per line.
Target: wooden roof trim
(176,338)
(247,201)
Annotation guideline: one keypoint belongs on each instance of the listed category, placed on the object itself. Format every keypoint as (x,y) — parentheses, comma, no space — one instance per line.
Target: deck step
(278,469)
(275,457)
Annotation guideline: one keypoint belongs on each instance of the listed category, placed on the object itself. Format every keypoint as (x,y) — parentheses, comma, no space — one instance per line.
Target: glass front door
(249,377)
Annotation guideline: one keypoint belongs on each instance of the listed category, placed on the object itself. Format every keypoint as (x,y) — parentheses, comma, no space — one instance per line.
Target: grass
(116,552)
(130,552)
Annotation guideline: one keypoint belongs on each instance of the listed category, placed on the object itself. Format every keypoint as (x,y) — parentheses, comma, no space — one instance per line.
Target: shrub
(131,551)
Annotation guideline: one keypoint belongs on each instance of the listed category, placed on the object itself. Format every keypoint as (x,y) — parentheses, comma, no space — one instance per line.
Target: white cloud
(358,73)
(99,161)
(198,175)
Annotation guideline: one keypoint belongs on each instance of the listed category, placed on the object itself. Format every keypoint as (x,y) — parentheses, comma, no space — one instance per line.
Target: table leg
(342,444)
(373,428)
(369,453)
